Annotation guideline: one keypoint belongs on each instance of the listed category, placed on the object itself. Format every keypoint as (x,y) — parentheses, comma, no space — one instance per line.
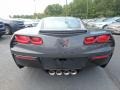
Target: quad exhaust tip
(74,72)
(59,72)
(51,72)
(62,72)
(66,72)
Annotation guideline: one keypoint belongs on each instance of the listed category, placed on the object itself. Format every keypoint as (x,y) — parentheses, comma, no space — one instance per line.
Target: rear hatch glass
(59,24)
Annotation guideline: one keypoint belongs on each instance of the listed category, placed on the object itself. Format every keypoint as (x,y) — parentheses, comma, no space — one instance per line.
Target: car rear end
(17,25)
(62,49)
(2,28)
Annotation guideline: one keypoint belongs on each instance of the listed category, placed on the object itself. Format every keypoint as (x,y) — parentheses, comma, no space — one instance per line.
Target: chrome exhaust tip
(66,72)
(59,72)
(51,72)
(73,72)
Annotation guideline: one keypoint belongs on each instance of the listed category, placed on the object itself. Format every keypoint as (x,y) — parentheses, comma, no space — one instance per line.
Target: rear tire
(107,61)
(20,66)
(7,30)
(104,65)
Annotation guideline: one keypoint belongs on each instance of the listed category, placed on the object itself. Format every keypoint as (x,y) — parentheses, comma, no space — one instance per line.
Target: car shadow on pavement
(93,78)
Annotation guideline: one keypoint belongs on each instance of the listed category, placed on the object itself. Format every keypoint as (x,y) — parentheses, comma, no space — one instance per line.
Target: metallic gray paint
(65,46)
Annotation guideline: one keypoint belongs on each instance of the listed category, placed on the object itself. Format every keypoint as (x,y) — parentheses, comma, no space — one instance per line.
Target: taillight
(97,39)
(22,39)
(103,38)
(28,40)
(36,40)
(90,40)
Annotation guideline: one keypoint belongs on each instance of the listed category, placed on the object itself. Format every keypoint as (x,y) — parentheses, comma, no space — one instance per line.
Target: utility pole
(35,9)
(87,9)
(66,8)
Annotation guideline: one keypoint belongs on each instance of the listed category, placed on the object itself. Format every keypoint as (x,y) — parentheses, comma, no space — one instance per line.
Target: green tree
(116,7)
(81,9)
(53,10)
(93,8)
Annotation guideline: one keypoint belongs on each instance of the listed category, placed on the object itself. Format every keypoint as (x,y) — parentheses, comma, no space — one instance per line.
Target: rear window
(60,23)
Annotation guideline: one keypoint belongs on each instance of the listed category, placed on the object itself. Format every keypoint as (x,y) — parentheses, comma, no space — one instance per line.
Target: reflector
(100,57)
(20,57)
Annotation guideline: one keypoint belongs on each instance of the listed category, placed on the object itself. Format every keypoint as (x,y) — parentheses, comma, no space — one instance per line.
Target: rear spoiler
(63,32)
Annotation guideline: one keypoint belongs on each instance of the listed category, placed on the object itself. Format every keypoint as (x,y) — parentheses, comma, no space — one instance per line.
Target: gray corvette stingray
(61,45)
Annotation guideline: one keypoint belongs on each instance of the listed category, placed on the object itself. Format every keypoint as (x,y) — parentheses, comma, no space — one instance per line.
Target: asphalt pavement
(94,78)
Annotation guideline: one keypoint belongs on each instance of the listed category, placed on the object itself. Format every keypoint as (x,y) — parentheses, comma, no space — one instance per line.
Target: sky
(26,7)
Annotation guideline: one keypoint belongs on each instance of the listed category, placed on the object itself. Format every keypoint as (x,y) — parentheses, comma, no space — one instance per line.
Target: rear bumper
(61,62)
(54,63)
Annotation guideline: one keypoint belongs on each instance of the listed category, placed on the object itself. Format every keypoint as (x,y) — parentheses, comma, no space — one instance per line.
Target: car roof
(63,17)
